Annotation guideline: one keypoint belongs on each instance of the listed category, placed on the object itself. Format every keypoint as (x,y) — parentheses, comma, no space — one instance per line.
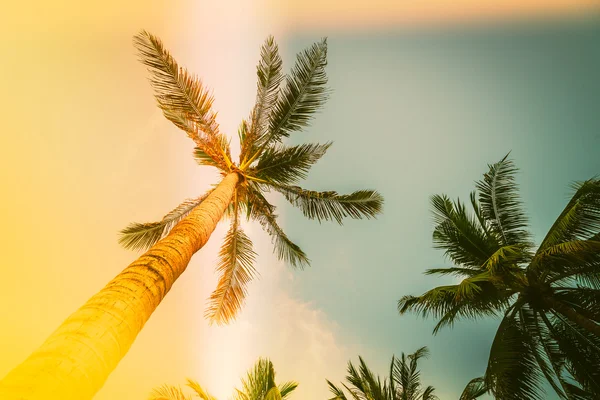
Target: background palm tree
(258,385)
(549,297)
(404,382)
(76,359)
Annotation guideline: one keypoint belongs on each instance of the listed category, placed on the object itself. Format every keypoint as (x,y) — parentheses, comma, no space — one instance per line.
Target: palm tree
(549,296)
(258,385)
(76,359)
(404,382)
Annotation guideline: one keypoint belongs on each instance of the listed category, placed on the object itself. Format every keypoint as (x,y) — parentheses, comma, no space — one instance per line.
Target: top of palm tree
(259,384)
(549,296)
(404,382)
(284,104)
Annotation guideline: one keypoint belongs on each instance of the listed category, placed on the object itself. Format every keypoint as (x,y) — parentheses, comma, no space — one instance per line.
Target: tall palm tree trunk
(74,362)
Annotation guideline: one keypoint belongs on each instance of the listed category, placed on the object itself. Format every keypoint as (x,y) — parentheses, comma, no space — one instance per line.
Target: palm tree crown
(284,104)
(404,382)
(258,385)
(549,296)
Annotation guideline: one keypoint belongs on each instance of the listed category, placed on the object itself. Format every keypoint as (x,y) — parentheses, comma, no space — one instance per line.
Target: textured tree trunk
(573,316)
(74,362)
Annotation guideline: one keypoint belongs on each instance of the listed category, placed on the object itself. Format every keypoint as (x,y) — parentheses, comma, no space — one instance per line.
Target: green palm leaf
(263,212)
(167,392)
(330,205)
(303,94)
(501,205)
(138,236)
(269,79)
(337,392)
(512,371)
(237,270)
(285,389)
(200,392)
(459,234)
(286,165)
(474,300)
(182,97)
(580,220)
(474,389)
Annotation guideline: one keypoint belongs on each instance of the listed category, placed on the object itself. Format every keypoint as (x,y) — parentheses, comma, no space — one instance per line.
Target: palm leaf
(428,394)
(287,165)
(167,392)
(285,389)
(269,78)
(235,266)
(500,203)
(337,392)
(582,352)
(580,220)
(263,212)
(330,205)
(182,97)
(472,300)
(461,272)
(459,234)
(203,394)
(303,94)
(138,236)
(474,389)
(512,371)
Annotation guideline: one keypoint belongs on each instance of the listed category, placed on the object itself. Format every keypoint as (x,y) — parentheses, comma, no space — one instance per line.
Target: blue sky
(416,113)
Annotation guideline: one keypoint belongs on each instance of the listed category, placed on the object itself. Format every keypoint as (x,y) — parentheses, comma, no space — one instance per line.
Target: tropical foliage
(75,361)
(403,383)
(285,104)
(548,296)
(259,384)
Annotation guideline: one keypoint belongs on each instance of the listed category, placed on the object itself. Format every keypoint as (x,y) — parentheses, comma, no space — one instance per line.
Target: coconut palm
(258,385)
(404,382)
(77,358)
(549,296)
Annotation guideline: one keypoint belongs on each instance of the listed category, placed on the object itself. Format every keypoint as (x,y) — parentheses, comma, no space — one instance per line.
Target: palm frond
(139,236)
(459,234)
(168,392)
(580,220)
(286,165)
(330,205)
(204,159)
(269,79)
(304,93)
(474,389)
(506,258)
(460,272)
(337,392)
(263,212)
(285,389)
(585,301)
(565,257)
(182,97)
(512,371)
(428,394)
(473,300)
(544,349)
(200,392)
(585,274)
(237,270)
(500,203)
(582,351)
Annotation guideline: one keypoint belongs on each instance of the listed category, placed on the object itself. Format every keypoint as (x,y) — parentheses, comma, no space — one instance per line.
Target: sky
(424,97)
